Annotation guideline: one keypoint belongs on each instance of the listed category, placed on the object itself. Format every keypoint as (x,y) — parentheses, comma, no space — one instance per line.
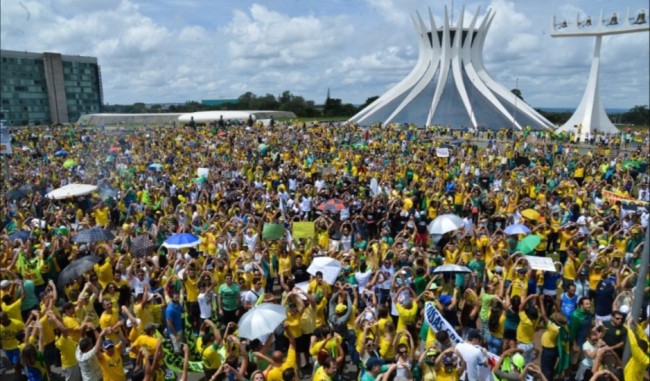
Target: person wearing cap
(427,363)
(110,361)
(375,366)
(447,368)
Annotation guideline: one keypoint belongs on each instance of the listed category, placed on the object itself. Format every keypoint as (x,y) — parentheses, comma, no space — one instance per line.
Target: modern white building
(590,116)
(450,85)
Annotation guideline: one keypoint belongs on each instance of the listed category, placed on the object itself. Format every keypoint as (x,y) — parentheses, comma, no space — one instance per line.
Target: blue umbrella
(22,235)
(192,144)
(61,152)
(155,166)
(515,229)
(181,240)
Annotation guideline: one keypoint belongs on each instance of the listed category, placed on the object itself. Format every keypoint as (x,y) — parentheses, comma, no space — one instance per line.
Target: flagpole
(639,289)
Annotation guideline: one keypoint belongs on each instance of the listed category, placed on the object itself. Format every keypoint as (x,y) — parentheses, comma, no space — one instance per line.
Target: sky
(173,51)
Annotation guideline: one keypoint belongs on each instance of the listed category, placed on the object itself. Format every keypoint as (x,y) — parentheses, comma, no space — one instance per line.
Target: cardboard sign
(442,152)
(304,230)
(541,263)
(272,231)
(202,172)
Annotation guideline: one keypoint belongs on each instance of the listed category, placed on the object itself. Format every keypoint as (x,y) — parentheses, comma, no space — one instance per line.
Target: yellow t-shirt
(72,324)
(109,320)
(293,322)
(321,375)
(500,328)
(104,273)
(8,334)
(275,374)
(144,341)
(209,354)
(13,310)
(549,337)
(144,314)
(570,269)
(67,346)
(406,316)
(442,375)
(112,366)
(386,349)
(525,329)
(191,288)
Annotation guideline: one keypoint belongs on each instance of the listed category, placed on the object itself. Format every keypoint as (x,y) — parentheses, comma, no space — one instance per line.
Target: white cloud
(171,50)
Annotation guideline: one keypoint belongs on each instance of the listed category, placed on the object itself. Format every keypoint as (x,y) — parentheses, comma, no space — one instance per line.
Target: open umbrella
(528,244)
(142,246)
(61,152)
(333,205)
(92,235)
(69,163)
(155,166)
(114,149)
(530,214)
(456,269)
(181,240)
(71,190)
(330,268)
(22,235)
(445,223)
(515,229)
(261,320)
(17,194)
(75,269)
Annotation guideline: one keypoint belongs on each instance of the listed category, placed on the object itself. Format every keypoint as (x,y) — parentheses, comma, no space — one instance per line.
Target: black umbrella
(93,235)
(142,245)
(22,235)
(17,194)
(75,269)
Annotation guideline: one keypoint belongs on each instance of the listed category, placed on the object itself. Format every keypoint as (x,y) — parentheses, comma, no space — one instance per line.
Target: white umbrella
(71,190)
(445,223)
(330,268)
(515,229)
(451,269)
(261,320)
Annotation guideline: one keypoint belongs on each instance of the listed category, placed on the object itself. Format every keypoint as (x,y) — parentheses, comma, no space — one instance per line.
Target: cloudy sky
(157,51)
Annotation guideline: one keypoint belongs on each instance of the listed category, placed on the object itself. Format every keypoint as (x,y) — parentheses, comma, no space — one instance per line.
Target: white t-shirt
(88,365)
(587,347)
(474,358)
(362,279)
(205,304)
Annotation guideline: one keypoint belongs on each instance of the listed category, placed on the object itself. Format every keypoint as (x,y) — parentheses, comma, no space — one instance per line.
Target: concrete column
(53,66)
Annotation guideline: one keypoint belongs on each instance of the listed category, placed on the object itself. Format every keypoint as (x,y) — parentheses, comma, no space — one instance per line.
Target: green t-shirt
(420,284)
(229,296)
(485,305)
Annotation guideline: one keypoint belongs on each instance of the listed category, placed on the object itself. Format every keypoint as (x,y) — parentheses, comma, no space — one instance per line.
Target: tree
(517,93)
(638,115)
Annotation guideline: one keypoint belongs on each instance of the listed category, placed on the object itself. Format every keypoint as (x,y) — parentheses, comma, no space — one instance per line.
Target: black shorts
(302,343)
(510,334)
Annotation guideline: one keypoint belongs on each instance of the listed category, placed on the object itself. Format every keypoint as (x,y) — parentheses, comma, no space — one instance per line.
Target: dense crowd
(156,312)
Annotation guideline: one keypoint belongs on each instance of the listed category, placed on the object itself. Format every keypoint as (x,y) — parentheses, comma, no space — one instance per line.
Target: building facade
(48,88)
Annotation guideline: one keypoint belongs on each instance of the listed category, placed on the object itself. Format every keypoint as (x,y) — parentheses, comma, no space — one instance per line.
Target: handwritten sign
(541,263)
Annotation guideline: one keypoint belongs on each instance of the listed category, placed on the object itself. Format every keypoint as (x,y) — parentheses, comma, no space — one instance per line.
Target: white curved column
(433,50)
(456,63)
(444,67)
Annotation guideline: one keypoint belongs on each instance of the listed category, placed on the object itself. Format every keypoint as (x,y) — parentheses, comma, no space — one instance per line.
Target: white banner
(541,263)
(442,152)
(439,323)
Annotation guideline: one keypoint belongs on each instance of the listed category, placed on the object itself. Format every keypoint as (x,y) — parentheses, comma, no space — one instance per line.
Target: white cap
(624,309)
(5,283)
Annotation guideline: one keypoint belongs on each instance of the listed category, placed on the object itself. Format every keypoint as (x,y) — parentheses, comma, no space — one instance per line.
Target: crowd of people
(161,313)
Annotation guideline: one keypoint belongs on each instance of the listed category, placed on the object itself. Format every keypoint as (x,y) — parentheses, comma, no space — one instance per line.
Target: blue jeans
(494,344)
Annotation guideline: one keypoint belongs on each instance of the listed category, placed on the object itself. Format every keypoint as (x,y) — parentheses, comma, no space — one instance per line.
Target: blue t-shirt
(173,313)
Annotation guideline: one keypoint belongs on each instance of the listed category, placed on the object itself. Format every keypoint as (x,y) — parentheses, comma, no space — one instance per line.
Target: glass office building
(48,88)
